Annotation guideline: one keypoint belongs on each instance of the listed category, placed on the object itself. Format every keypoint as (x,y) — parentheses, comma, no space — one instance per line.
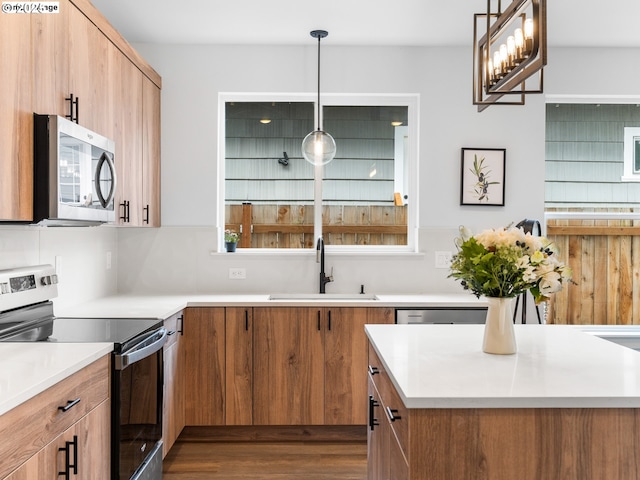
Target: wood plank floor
(266,461)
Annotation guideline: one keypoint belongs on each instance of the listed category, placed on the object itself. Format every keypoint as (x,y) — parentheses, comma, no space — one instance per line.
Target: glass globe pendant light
(318,147)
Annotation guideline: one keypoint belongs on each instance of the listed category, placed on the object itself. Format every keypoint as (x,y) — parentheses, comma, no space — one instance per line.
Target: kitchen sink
(347,297)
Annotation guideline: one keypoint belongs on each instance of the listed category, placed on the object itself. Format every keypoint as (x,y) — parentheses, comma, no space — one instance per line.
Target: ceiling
(570,23)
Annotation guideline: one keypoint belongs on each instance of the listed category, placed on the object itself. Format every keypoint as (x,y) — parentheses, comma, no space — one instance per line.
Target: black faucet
(324,279)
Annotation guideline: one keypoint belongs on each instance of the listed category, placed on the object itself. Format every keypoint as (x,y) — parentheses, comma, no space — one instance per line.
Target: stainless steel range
(26,315)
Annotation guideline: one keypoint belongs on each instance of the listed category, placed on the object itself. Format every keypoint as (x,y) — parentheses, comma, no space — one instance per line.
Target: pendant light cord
(319,37)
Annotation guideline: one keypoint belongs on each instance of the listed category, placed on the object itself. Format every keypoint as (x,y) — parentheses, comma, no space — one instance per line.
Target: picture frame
(482,176)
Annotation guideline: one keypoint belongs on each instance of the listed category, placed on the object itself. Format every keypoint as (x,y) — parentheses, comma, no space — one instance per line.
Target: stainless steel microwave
(74,174)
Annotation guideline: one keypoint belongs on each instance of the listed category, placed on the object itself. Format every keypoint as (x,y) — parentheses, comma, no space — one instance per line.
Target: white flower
(550,283)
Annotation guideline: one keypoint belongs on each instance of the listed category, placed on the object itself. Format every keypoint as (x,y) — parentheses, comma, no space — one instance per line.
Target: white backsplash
(80,255)
(183,260)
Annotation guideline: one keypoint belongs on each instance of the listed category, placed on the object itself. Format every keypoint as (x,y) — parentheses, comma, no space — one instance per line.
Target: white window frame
(411,101)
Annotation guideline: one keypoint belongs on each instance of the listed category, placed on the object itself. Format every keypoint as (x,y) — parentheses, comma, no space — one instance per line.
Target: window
(631,154)
(270,191)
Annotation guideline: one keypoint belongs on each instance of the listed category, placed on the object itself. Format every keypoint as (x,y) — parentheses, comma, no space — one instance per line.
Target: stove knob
(4,288)
(54,279)
(46,280)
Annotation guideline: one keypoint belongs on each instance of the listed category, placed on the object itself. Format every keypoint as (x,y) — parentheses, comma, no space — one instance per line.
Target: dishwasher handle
(145,348)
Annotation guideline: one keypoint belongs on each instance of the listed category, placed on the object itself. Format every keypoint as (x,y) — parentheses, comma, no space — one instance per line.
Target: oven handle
(142,350)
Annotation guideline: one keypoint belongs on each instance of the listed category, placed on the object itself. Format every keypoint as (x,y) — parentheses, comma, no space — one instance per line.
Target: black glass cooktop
(113,330)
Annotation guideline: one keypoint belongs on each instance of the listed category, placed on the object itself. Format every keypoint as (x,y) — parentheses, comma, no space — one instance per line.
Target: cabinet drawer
(30,426)
(397,414)
(174,325)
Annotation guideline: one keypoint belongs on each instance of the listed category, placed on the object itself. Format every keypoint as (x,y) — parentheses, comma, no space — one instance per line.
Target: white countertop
(443,366)
(26,369)
(163,306)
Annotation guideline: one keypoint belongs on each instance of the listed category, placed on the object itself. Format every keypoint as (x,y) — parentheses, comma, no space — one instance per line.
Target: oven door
(137,409)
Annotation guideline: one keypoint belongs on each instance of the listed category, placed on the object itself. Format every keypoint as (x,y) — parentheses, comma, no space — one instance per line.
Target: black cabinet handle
(146,214)
(329,320)
(70,468)
(73,101)
(70,404)
(246,320)
(373,370)
(392,414)
(181,320)
(373,422)
(318,320)
(125,211)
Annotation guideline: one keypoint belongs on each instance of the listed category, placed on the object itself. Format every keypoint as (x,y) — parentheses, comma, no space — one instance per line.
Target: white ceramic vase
(499,334)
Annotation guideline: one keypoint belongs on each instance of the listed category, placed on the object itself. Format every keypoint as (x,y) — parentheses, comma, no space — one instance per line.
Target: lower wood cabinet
(276,365)
(387,426)
(204,365)
(48,435)
(288,384)
(311,364)
(239,366)
(81,452)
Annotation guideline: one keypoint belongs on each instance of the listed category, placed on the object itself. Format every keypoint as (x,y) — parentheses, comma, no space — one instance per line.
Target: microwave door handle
(104,158)
(136,354)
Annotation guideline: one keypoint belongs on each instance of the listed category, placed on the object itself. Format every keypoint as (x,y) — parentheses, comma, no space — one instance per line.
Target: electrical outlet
(237,273)
(108,260)
(443,259)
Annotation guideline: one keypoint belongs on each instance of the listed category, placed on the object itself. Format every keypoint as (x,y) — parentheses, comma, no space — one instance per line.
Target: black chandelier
(512,50)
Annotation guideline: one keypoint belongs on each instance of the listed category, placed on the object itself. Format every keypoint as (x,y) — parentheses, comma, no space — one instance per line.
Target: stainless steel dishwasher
(446,315)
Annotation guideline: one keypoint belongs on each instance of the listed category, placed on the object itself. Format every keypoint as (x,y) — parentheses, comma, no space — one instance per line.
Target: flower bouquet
(501,264)
(507,262)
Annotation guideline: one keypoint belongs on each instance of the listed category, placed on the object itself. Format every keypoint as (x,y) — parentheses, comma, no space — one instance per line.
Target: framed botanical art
(482,176)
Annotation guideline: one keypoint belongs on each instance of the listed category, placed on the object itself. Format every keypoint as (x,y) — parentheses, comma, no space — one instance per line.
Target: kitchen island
(566,405)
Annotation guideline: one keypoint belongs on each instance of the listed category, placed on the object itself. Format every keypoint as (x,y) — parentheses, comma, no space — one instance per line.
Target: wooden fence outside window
(291,226)
(604,254)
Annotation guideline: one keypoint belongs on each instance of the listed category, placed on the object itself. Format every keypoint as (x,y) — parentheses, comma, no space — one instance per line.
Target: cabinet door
(239,366)
(173,395)
(128,138)
(378,432)
(346,360)
(87,441)
(204,337)
(50,39)
(288,366)
(150,154)
(89,76)
(16,118)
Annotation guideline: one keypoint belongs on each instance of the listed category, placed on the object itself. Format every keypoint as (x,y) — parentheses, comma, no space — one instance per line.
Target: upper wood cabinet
(150,154)
(128,135)
(50,72)
(44,60)
(90,75)
(16,135)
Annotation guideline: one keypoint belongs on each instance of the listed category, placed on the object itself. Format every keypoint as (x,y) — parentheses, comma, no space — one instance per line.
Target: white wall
(177,257)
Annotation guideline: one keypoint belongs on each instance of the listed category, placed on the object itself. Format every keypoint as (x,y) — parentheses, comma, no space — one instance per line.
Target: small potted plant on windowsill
(231,240)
